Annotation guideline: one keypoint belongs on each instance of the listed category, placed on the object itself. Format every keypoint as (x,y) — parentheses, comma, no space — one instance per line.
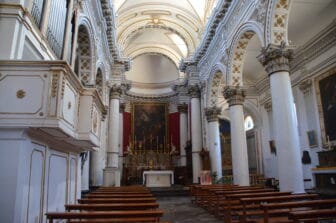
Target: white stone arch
(277,21)
(237,50)
(86,50)
(215,84)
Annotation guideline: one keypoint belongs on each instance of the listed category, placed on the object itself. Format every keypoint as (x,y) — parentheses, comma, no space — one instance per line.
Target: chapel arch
(238,51)
(84,57)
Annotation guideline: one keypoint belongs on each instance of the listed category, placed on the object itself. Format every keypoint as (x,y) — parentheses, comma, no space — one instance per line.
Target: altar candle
(157,142)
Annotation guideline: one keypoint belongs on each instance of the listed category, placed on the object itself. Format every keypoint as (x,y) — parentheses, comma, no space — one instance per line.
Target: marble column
(121,135)
(235,97)
(112,172)
(183,110)
(275,59)
(214,140)
(196,131)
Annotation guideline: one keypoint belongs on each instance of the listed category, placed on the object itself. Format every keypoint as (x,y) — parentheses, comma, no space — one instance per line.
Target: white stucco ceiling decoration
(170,29)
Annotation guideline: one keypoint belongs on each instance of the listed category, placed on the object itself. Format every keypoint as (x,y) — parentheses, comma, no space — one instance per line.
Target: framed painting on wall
(149,126)
(326,100)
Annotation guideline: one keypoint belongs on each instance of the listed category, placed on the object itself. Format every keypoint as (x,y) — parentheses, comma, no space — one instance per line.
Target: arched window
(83,55)
(249,124)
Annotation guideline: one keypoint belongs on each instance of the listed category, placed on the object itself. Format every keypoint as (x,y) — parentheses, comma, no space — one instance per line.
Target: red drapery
(174,130)
(126,130)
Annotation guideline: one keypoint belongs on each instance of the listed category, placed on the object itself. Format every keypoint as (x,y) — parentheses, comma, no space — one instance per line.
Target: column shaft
(215,148)
(276,59)
(239,146)
(286,133)
(196,137)
(183,137)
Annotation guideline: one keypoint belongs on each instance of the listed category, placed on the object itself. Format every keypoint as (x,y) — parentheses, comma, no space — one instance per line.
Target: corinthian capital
(276,58)
(115,91)
(234,95)
(182,108)
(194,91)
(212,113)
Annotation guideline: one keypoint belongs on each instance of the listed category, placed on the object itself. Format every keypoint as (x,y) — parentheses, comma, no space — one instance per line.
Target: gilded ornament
(20,93)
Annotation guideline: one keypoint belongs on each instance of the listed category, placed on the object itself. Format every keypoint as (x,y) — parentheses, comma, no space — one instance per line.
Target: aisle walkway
(180,210)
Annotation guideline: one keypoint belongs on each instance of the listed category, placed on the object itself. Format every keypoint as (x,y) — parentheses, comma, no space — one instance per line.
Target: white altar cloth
(158,178)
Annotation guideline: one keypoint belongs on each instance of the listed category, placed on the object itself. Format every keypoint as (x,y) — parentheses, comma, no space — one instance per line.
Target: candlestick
(157,143)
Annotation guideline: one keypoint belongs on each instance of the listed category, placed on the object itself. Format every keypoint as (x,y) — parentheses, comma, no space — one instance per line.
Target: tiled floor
(181,210)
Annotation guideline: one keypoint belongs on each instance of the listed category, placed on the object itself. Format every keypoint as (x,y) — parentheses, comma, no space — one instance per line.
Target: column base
(111,177)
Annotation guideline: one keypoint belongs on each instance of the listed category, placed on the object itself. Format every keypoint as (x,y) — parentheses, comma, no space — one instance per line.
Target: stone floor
(181,210)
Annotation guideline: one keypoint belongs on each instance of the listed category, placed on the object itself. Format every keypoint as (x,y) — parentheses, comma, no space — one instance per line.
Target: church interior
(119,99)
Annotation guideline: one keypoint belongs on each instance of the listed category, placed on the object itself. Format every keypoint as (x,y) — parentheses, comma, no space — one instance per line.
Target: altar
(158,178)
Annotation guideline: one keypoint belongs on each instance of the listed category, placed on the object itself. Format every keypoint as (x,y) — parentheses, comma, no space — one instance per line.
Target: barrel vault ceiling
(156,35)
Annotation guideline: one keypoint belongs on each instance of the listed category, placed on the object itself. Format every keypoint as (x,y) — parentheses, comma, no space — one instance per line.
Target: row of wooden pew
(112,204)
(258,204)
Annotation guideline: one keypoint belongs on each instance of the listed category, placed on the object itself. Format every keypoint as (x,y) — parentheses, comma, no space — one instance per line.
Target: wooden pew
(117,195)
(116,200)
(251,206)
(110,207)
(233,201)
(271,211)
(153,215)
(313,215)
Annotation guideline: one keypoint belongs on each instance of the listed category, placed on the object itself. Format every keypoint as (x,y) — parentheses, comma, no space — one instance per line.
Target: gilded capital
(182,108)
(276,58)
(194,91)
(212,113)
(234,95)
(115,91)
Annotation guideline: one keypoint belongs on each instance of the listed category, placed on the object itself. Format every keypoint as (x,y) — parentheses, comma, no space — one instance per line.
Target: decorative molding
(212,113)
(182,108)
(54,85)
(268,106)
(321,43)
(305,86)
(234,95)
(276,58)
